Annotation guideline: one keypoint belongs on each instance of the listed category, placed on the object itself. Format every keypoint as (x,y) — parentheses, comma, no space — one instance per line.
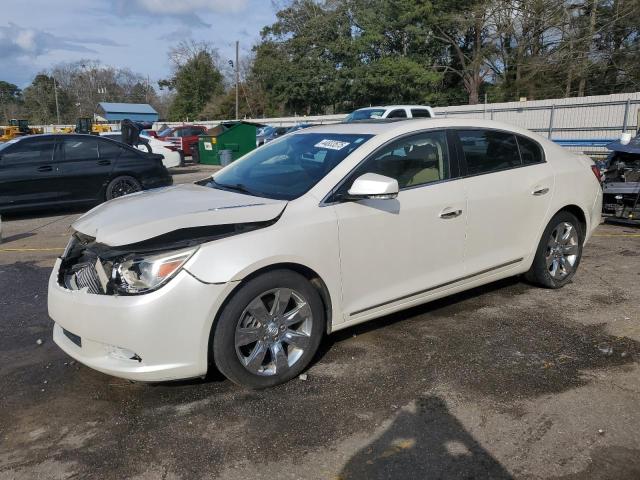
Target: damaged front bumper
(158,336)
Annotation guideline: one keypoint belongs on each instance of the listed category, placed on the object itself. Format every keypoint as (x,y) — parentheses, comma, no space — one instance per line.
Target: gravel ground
(504,381)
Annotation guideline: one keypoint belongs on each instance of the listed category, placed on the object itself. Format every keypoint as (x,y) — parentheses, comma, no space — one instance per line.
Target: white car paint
(374,256)
(171,157)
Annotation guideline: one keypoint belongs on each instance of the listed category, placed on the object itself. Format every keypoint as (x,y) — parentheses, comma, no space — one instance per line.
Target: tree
(196,78)
(40,100)
(10,98)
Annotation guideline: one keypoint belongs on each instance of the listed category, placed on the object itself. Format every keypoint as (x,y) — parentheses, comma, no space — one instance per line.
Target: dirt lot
(505,381)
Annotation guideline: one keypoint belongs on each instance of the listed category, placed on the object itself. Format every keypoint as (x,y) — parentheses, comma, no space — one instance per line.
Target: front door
(29,173)
(395,251)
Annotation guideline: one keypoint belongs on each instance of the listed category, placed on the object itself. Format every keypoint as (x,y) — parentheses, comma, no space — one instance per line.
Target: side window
(36,151)
(108,149)
(488,150)
(397,113)
(80,148)
(420,113)
(415,160)
(530,151)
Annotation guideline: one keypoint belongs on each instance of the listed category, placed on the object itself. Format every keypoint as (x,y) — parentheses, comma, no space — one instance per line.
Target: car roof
(379,127)
(387,107)
(56,135)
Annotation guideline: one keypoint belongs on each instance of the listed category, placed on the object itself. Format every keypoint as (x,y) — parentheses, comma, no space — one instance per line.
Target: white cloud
(190,6)
(17,41)
(187,12)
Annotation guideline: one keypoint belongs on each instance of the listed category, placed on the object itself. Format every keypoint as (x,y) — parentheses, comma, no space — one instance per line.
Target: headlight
(139,273)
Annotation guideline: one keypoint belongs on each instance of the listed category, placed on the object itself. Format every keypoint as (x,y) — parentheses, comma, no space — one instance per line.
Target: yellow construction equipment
(17,128)
(86,125)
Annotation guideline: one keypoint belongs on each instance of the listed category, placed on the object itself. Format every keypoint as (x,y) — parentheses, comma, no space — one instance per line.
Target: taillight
(596,172)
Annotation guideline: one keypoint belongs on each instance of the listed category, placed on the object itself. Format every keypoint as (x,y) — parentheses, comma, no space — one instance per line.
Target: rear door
(84,171)
(508,196)
(29,173)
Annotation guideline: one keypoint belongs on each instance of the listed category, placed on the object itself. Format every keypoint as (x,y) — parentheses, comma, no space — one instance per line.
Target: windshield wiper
(237,187)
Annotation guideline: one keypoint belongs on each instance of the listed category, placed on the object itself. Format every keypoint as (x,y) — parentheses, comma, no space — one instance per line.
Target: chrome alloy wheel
(273,331)
(562,250)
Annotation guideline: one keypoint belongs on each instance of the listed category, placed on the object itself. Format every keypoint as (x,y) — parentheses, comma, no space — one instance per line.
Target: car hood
(145,215)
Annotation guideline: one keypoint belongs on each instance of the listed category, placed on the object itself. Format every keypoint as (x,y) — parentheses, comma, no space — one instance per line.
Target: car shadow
(44,212)
(387,320)
(424,441)
(17,236)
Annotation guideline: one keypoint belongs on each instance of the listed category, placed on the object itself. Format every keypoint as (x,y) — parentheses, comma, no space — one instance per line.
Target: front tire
(559,252)
(269,331)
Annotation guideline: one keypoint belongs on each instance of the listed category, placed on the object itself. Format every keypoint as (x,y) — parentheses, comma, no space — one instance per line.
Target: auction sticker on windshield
(331,144)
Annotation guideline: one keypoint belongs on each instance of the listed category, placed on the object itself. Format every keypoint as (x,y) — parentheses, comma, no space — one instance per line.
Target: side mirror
(372,185)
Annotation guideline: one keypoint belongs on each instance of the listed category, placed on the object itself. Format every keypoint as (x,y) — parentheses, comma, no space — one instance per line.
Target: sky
(37,34)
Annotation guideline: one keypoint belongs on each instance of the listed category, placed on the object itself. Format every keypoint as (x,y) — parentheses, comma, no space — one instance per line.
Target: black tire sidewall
(539,272)
(108,191)
(224,353)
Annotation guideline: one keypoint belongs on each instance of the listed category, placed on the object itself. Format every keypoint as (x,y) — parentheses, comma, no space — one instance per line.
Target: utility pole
(55,94)
(237,80)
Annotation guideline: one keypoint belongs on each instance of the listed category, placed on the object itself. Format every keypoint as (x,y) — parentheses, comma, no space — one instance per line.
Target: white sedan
(317,231)
(153,145)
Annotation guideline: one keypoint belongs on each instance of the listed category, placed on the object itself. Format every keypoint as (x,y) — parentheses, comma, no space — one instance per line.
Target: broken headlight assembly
(142,273)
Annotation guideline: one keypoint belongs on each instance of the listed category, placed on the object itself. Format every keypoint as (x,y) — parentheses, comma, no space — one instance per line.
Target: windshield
(165,133)
(365,114)
(290,167)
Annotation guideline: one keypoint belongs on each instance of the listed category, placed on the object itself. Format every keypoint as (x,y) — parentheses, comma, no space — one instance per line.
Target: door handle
(450,214)
(45,168)
(104,162)
(540,191)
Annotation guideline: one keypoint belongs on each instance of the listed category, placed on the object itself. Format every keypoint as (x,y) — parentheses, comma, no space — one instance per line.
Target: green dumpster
(239,137)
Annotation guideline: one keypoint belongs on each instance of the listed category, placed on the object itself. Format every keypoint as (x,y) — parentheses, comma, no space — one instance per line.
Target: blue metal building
(115,112)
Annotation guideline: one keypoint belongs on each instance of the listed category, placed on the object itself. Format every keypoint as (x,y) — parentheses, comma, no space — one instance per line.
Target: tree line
(330,56)
(78,87)
(335,55)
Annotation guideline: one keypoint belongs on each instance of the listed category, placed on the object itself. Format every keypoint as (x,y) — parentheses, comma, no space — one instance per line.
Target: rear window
(489,151)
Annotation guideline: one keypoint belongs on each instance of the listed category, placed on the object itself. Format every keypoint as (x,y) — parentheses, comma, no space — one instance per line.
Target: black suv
(43,171)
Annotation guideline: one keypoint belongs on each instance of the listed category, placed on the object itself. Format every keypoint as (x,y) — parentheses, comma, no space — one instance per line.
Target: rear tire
(195,156)
(269,330)
(121,186)
(559,252)
(181,159)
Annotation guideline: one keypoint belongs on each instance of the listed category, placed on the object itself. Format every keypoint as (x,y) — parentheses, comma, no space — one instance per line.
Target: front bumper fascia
(168,329)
